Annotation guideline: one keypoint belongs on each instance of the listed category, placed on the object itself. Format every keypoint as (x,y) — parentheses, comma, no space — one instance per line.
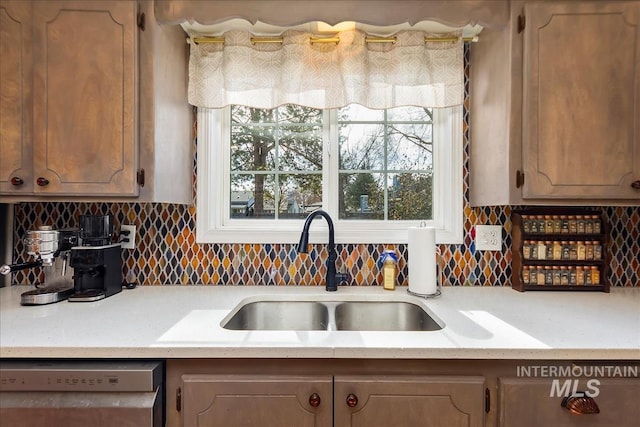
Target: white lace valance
(326,75)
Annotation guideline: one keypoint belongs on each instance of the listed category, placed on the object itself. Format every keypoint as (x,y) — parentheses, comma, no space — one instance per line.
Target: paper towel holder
(436,294)
(438,291)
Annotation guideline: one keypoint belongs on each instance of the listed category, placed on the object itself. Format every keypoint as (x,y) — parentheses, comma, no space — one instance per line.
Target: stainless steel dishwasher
(81,393)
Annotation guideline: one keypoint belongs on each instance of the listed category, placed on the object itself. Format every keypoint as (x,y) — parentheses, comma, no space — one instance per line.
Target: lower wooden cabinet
(537,402)
(390,393)
(433,401)
(255,400)
(324,401)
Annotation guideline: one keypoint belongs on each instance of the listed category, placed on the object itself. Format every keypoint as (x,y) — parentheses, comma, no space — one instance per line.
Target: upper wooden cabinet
(16,69)
(555,100)
(581,115)
(85,142)
(106,87)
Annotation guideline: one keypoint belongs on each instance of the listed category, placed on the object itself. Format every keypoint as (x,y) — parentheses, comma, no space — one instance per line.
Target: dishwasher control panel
(80,376)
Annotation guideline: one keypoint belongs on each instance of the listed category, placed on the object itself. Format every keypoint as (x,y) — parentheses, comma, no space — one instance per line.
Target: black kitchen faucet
(332,278)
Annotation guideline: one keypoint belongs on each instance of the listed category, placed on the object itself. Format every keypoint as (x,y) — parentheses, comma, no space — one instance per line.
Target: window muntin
(275,161)
(385,156)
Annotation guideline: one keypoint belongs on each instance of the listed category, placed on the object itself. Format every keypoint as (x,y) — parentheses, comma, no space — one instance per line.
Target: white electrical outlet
(489,237)
(131,244)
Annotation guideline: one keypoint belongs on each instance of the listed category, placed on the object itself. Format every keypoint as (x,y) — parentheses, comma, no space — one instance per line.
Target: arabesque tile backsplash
(167,253)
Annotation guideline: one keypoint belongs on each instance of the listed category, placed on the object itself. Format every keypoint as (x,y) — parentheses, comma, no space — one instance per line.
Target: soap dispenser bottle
(388,261)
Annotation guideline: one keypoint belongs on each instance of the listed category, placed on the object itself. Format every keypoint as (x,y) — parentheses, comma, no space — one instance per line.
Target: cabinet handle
(42,182)
(579,404)
(16,180)
(352,400)
(636,185)
(519,179)
(314,400)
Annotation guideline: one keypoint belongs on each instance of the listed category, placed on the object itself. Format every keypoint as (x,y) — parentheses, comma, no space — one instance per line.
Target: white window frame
(214,225)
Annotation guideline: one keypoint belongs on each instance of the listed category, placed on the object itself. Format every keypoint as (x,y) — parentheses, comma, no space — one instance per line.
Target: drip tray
(46,295)
(87,295)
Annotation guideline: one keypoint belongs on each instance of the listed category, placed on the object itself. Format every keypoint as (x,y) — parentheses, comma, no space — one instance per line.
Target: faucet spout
(303,247)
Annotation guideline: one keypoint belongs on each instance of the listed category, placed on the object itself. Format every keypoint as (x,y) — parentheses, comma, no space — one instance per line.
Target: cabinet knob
(16,180)
(42,182)
(352,400)
(314,400)
(636,185)
(579,404)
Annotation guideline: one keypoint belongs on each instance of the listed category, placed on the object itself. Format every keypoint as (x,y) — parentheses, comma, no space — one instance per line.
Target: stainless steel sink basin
(330,315)
(279,316)
(383,316)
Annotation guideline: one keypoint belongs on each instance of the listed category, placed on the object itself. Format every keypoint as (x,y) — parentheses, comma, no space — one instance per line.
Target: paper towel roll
(422,260)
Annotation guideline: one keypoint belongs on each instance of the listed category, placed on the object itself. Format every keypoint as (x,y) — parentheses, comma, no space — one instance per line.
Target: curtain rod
(336,40)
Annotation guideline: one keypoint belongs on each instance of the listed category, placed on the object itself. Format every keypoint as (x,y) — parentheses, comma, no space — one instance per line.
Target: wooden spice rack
(565,248)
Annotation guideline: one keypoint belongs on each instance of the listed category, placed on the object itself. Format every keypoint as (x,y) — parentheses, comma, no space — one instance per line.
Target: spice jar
(573,224)
(557,250)
(548,275)
(566,250)
(548,244)
(564,275)
(548,224)
(588,226)
(597,250)
(542,250)
(534,225)
(589,253)
(580,280)
(573,251)
(573,279)
(526,277)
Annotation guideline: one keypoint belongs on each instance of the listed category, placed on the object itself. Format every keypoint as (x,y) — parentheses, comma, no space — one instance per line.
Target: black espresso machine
(97,262)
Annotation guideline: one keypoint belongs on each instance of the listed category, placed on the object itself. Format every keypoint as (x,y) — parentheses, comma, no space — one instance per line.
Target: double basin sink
(330,315)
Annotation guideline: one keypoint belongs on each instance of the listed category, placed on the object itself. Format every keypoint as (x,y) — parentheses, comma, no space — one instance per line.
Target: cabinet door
(581,136)
(534,402)
(446,401)
(253,400)
(15,97)
(84,94)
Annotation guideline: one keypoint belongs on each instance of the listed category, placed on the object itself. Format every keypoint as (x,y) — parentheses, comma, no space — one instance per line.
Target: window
(377,172)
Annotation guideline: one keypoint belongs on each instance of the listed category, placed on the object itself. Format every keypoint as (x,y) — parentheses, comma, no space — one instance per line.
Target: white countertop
(184,322)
